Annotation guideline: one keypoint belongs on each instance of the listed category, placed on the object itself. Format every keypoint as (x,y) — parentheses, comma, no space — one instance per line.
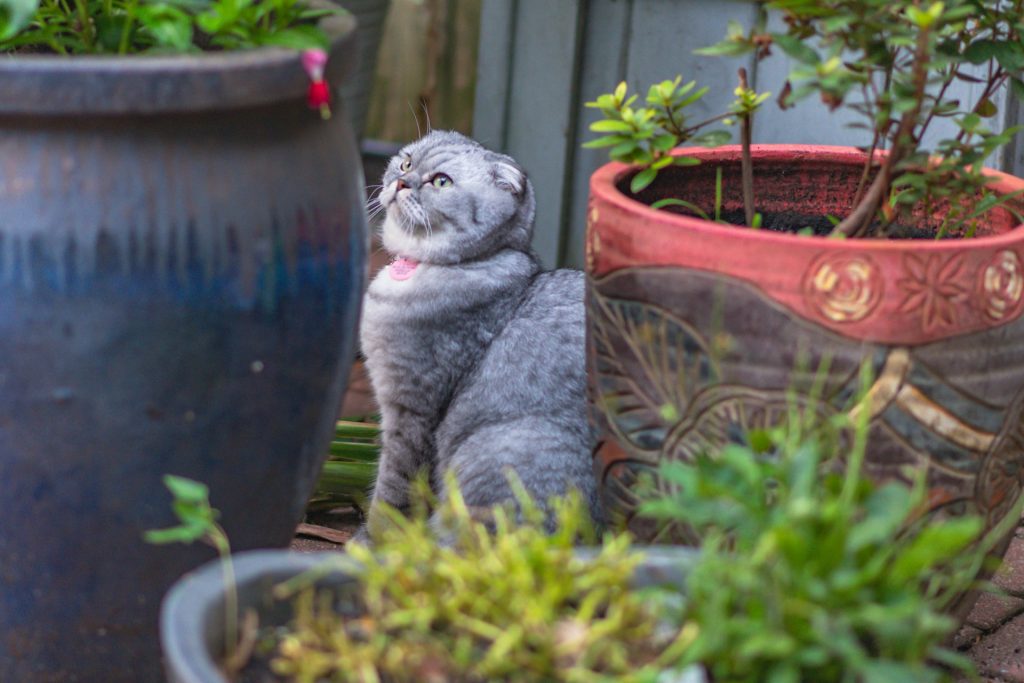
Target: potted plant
(521,605)
(806,574)
(898,256)
(183,248)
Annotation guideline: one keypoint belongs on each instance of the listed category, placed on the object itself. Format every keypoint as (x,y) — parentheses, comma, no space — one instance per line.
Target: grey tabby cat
(476,357)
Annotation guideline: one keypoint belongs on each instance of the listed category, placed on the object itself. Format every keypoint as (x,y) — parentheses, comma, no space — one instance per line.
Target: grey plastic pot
(192,617)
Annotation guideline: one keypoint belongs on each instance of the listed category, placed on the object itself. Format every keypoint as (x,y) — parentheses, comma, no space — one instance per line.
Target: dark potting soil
(257,669)
(794,222)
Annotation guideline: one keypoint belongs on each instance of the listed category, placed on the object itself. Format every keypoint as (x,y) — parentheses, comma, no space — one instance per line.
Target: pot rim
(604,180)
(154,84)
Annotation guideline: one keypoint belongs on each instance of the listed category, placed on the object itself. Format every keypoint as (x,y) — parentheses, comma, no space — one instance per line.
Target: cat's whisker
(426,115)
(416,118)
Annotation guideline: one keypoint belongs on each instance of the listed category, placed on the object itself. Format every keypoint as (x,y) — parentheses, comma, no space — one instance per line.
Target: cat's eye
(406,165)
(440,180)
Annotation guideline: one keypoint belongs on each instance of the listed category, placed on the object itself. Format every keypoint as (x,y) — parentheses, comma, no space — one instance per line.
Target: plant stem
(219,540)
(859,220)
(697,126)
(83,17)
(747,163)
(129,16)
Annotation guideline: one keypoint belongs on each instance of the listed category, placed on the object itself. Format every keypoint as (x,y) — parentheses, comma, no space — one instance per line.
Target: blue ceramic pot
(182,256)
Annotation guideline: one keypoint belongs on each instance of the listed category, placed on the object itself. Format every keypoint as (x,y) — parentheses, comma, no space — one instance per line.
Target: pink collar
(402,268)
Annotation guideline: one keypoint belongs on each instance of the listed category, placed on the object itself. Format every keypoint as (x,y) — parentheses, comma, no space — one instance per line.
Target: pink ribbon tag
(402,268)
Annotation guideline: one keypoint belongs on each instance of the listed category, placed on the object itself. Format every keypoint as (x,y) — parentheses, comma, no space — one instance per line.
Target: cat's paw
(362,536)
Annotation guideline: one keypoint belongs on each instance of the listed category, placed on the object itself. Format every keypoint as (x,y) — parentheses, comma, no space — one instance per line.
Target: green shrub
(499,601)
(809,571)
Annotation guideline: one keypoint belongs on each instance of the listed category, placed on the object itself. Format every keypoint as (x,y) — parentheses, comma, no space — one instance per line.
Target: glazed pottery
(192,618)
(698,330)
(182,254)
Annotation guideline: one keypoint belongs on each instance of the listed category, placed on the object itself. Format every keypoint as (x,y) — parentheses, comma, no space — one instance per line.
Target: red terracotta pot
(697,330)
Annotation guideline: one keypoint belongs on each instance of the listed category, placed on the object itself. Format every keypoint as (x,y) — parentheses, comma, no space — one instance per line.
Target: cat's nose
(400,185)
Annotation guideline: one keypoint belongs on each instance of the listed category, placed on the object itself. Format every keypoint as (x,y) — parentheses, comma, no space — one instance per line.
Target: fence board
(554,56)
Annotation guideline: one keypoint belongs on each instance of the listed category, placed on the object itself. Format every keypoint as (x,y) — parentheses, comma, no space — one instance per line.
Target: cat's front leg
(406,451)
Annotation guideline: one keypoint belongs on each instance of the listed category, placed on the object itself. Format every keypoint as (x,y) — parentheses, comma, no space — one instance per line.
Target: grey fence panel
(603,65)
(553,55)
(537,113)
(494,60)
(658,44)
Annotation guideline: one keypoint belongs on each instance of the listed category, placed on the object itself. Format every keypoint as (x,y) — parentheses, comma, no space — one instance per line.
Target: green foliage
(198,522)
(501,601)
(351,466)
(893,62)
(809,572)
(644,135)
(133,26)
(191,505)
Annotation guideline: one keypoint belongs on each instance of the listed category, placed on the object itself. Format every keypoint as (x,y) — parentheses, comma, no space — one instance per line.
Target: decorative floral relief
(843,287)
(931,288)
(649,365)
(1002,283)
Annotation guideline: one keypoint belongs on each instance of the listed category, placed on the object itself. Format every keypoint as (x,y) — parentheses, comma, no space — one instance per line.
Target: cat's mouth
(410,215)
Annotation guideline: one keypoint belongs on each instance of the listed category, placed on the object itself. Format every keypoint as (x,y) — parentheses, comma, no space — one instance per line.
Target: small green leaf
(1017,87)
(178,534)
(662,163)
(620,91)
(673,201)
(606,141)
(187,490)
(298,38)
(642,179)
(797,49)
(982,50)
(986,108)
(611,126)
(15,15)
(726,48)
(664,143)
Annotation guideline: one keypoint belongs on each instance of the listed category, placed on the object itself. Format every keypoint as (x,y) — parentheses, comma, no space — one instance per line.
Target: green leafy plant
(809,571)
(499,600)
(891,62)
(198,522)
(133,26)
(351,466)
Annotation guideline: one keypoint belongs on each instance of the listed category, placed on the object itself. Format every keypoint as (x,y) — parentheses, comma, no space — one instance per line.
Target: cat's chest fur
(422,334)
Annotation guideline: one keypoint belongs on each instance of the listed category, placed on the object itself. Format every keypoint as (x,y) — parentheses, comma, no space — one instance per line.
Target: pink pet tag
(402,268)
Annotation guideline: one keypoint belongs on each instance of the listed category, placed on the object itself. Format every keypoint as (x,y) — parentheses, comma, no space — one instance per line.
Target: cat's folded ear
(508,176)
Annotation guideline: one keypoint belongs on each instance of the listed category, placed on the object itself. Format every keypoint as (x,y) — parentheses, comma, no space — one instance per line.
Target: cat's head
(447,199)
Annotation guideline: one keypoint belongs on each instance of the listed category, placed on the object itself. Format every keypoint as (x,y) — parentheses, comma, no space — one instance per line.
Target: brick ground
(994,634)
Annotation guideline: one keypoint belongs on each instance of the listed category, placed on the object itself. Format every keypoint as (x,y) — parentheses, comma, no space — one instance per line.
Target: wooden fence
(540,60)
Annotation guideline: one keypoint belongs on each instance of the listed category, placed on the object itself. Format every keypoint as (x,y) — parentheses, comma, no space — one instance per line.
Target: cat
(475,355)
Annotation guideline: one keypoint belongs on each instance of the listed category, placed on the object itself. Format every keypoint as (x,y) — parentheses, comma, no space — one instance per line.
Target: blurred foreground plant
(809,571)
(500,600)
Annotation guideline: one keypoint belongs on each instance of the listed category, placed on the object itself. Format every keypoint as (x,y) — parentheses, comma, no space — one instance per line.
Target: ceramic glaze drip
(76,208)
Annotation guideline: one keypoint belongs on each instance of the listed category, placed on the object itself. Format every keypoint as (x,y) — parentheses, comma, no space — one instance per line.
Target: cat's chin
(398,242)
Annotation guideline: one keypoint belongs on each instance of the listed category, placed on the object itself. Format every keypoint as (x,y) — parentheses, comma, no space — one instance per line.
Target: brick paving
(994,633)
